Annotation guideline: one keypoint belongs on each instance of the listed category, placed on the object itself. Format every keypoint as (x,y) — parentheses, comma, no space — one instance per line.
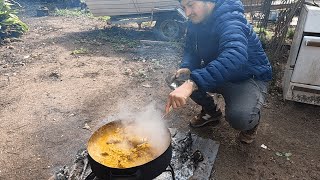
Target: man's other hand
(183,71)
(178,97)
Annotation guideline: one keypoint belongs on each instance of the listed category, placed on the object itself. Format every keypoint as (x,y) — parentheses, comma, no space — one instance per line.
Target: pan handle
(134,176)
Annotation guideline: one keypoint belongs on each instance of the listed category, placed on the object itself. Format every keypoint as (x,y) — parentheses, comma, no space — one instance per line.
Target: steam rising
(148,123)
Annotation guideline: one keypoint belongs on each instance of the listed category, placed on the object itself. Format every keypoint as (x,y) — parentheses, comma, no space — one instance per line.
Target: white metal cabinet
(301,80)
(307,67)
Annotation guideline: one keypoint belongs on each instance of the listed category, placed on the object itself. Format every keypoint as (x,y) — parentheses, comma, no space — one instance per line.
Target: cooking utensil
(147,171)
(166,114)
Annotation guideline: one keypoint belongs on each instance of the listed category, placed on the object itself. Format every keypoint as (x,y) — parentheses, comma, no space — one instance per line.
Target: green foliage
(286,155)
(264,35)
(104,18)
(75,12)
(10,24)
(290,33)
(80,51)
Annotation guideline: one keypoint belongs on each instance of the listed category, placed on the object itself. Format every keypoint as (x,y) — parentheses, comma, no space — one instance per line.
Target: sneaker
(204,118)
(247,137)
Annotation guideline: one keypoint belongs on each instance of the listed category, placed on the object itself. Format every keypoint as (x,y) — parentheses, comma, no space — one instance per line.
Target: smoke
(148,123)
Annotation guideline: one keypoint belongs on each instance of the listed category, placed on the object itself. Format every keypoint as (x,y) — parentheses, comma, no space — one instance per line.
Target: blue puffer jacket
(224,48)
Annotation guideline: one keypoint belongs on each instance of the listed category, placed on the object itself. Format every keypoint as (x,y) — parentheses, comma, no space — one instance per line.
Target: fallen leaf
(264,146)
(128,72)
(86,126)
(287,154)
(147,85)
(283,154)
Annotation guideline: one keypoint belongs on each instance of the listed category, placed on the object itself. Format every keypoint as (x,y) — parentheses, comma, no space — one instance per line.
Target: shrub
(290,33)
(10,24)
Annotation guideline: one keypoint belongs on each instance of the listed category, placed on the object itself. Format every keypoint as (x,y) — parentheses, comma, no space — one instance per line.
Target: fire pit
(192,158)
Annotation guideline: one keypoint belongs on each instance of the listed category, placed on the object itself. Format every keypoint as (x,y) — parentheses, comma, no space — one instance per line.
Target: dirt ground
(70,72)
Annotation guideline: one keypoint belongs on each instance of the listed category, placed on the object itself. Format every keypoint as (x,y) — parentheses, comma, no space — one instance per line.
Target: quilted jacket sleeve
(190,58)
(232,31)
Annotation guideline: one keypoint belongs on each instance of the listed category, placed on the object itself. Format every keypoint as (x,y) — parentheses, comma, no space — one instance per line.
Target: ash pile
(79,170)
(192,158)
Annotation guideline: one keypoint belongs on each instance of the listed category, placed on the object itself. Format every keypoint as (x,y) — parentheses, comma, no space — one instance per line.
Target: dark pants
(243,102)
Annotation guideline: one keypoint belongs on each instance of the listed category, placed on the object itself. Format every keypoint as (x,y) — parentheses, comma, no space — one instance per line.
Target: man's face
(196,10)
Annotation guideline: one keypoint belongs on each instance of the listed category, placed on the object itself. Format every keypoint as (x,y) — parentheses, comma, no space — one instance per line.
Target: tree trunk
(266,11)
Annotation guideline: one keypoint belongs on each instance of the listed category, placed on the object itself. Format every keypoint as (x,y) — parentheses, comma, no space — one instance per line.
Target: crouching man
(222,55)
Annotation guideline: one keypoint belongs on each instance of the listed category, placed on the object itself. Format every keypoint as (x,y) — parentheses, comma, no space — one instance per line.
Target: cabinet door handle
(313,43)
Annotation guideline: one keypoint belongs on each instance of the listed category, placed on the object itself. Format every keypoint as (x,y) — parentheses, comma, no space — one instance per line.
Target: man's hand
(178,97)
